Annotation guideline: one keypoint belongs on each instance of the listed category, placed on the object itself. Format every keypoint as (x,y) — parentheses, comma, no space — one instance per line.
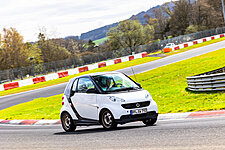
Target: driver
(105,83)
(108,83)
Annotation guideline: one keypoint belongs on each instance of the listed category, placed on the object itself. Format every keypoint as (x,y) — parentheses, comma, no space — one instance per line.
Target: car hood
(132,96)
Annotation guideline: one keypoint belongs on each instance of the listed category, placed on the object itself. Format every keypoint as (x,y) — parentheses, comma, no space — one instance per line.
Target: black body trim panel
(139,117)
(136,105)
(85,122)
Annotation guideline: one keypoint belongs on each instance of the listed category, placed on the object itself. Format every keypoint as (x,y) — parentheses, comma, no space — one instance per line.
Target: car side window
(84,84)
(74,88)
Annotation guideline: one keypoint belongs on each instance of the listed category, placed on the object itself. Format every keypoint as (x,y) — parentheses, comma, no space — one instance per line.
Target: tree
(191,29)
(148,33)
(129,34)
(180,18)
(71,44)
(13,52)
(34,52)
(50,51)
(216,19)
(162,23)
(90,45)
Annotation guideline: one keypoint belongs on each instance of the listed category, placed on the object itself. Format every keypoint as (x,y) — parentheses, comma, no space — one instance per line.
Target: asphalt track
(186,134)
(14,99)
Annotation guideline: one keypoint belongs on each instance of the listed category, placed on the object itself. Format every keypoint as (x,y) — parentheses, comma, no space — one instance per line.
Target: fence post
(98,56)
(44,69)
(21,74)
(55,66)
(65,64)
(0,77)
(10,75)
(113,54)
(74,64)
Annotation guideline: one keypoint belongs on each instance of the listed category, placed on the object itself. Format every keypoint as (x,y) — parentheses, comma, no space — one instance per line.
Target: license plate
(138,111)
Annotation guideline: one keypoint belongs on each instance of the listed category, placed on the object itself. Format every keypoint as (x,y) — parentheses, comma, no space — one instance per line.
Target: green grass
(66,79)
(166,84)
(100,41)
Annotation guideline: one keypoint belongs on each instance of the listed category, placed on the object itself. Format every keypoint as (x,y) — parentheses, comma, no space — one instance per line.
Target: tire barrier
(209,81)
(186,45)
(11,85)
(177,48)
(145,54)
(63,74)
(83,69)
(195,42)
(102,64)
(117,61)
(131,58)
(38,80)
(167,50)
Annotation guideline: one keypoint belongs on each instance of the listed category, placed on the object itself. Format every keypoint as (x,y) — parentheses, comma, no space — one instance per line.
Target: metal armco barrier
(209,81)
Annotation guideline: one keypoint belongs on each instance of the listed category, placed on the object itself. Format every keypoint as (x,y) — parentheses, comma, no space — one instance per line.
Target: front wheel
(67,122)
(107,119)
(150,122)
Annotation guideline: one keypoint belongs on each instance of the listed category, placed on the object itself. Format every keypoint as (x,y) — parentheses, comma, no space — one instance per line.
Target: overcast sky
(67,17)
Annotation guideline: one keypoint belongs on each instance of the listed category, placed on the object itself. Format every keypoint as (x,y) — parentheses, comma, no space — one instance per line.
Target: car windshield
(115,82)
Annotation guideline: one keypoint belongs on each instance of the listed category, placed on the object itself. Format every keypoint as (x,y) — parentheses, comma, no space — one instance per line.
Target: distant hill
(97,33)
(101,32)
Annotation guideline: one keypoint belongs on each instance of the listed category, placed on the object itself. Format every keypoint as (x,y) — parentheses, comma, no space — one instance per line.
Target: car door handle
(95,105)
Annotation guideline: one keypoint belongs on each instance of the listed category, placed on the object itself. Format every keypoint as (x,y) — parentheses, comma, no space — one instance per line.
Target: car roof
(97,73)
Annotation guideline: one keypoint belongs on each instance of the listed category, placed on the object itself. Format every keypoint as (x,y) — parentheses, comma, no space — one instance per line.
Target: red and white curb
(30,122)
(162,117)
(192,115)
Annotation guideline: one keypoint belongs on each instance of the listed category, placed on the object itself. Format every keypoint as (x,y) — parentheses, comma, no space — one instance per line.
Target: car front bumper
(139,117)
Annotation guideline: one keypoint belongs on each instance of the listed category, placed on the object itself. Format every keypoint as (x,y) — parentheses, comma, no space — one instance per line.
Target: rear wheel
(67,122)
(150,122)
(107,119)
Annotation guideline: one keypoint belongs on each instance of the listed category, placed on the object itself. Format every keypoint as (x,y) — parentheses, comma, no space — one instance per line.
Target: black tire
(150,122)
(107,120)
(67,122)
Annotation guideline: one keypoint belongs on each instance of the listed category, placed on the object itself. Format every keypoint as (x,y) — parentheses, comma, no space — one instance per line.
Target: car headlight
(148,96)
(116,99)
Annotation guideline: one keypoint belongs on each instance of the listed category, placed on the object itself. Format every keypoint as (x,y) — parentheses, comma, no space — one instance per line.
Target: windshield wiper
(126,89)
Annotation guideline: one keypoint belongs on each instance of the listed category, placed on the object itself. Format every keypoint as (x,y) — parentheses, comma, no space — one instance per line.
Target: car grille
(136,105)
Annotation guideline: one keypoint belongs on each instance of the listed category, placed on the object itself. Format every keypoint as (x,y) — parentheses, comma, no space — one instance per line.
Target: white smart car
(107,99)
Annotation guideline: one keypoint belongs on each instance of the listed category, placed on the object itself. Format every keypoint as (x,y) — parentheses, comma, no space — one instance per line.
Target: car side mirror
(139,85)
(72,93)
(92,90)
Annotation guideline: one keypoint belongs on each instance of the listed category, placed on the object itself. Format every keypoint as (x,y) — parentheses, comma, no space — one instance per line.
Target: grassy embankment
(108,68)
(100,41)
(167,85)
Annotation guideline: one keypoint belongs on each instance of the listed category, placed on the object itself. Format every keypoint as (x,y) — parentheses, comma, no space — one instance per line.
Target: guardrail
(208,81)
